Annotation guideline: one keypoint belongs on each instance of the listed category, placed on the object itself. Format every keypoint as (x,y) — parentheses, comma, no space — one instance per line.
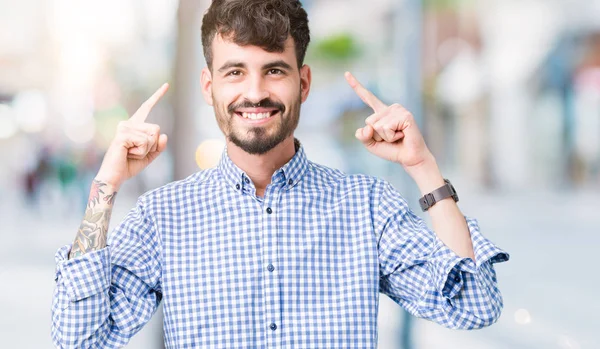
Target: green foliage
(339,47)
(443,4)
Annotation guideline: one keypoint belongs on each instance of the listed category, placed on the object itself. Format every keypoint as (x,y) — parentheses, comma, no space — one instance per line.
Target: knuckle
(135,140)
(120,137)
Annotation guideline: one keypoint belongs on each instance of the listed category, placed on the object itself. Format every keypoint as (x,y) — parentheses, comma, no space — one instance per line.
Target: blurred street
(549,286)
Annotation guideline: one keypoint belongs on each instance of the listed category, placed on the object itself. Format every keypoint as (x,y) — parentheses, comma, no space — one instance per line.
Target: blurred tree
(186,87)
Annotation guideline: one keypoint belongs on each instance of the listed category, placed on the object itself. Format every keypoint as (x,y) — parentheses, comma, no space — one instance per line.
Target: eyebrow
(275,64)
(231,64)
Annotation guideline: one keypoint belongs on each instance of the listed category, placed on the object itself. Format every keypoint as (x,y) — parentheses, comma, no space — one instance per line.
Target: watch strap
(441,193)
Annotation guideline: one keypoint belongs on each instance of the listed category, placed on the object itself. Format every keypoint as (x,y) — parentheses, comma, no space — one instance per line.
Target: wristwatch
(441,193)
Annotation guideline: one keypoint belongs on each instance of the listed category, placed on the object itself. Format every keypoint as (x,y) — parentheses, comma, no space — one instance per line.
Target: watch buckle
(429,199)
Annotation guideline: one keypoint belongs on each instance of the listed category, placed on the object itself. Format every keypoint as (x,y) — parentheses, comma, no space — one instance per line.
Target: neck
(261,167)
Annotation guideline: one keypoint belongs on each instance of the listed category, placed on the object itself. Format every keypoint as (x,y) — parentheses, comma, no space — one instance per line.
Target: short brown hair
(263,23)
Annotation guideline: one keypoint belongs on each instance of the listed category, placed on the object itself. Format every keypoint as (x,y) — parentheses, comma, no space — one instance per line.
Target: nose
(256,91)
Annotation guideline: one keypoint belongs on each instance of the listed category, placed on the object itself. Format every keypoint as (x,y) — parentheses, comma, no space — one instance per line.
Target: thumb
(162,143)
(365,135)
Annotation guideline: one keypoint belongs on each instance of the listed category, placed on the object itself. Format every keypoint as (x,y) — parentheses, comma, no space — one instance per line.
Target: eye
(275,71)
(234,73)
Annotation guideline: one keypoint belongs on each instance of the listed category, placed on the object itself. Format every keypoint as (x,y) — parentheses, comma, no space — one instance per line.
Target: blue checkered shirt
(301,267)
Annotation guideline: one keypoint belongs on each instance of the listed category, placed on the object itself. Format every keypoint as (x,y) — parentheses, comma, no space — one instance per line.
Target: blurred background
(507,93)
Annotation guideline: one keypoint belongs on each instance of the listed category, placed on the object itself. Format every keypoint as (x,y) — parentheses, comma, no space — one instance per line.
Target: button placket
(270,279)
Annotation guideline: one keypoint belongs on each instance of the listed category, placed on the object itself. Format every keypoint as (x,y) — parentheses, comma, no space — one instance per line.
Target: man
(269,249)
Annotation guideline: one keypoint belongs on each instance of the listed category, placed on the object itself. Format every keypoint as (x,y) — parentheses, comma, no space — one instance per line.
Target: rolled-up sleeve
(104,297)
(419,272)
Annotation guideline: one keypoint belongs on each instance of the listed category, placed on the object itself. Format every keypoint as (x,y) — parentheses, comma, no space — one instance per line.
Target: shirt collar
(289,174)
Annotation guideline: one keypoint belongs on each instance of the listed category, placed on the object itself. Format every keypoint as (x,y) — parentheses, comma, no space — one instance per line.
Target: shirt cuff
(85,275)
(448,268)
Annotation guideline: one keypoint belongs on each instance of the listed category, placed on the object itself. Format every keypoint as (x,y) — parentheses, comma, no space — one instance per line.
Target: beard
(258,140)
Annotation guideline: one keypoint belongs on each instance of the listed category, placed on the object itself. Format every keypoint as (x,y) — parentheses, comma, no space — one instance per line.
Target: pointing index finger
(364,94)
(142,113)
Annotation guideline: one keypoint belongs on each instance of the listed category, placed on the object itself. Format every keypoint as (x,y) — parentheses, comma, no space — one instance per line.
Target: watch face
(450,185)
(452,190)
(454,193)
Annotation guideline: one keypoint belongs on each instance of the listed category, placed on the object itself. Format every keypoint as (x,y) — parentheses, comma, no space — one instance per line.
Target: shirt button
(246,180)
(272,326)
(290,182)
(270,267)
(269,211)
(457,279)
(237,186)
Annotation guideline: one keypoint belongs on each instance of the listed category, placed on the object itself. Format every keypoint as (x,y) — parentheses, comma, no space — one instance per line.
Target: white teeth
(256,116)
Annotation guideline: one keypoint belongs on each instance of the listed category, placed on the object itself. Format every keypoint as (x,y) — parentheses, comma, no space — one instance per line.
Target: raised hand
(390,132)
(135,145)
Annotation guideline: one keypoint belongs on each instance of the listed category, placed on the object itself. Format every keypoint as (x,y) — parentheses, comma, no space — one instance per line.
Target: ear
(206,84)
(305,80)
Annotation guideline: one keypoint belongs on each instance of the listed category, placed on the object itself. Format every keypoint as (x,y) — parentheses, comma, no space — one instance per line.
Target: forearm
(93,232)
(448,222)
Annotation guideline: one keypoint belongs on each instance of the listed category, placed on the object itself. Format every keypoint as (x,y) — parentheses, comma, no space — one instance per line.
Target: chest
(218,245)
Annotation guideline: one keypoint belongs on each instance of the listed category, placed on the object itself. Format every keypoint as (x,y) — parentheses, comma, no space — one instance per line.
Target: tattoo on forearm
(93,231)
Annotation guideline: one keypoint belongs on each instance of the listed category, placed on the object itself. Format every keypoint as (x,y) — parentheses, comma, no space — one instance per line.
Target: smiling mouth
(257,116)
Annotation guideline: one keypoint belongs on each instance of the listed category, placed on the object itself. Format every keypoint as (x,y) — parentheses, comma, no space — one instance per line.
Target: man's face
(256,94)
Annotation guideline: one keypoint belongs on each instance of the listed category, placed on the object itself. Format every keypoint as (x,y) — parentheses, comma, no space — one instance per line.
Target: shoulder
(378,194)
(375,188)
(328,176)
(190,185)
